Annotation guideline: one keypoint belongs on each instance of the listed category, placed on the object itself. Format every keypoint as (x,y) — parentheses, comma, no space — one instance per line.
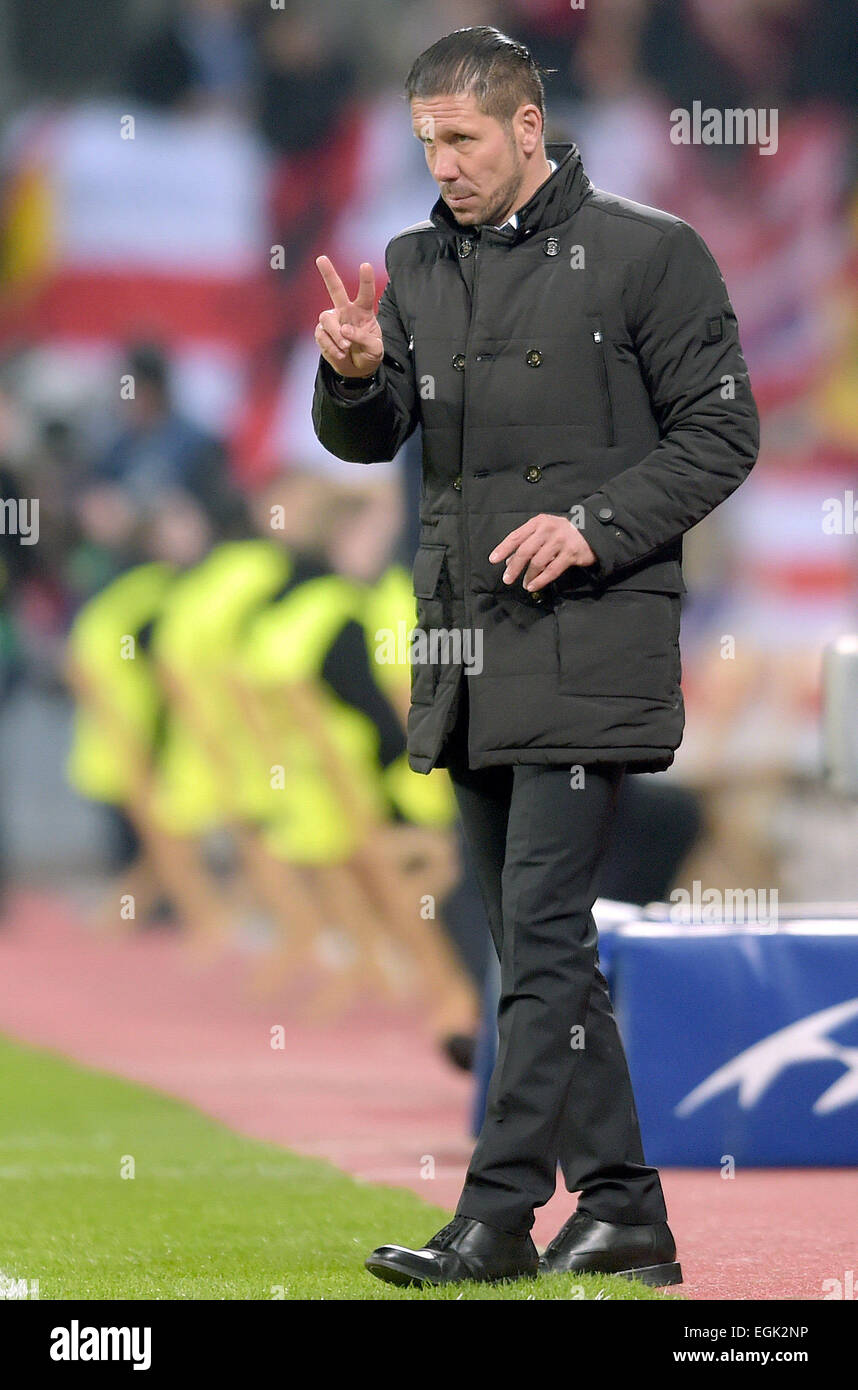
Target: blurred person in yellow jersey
(119,721)
(332,626)
(339,540)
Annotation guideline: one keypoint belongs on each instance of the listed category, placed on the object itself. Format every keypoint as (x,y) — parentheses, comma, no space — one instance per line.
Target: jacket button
(534,358)
(533,473)
(538,596)
(459,361)
(465,248)
(605,513)
(457,482)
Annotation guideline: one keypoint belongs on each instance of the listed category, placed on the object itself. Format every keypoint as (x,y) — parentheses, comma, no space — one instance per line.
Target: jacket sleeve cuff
(602,534)
(350,395)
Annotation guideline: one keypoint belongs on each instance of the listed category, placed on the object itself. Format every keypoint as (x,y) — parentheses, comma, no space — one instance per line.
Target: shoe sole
(656,1276)
(393,1274)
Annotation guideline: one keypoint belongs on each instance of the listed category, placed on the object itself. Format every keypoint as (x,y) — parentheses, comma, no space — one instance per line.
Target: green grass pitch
(207,1214)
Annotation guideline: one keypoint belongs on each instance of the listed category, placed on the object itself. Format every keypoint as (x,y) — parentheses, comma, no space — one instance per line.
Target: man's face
(474,160)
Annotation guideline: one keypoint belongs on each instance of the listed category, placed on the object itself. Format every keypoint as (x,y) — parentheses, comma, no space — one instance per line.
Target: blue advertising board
(742,1041)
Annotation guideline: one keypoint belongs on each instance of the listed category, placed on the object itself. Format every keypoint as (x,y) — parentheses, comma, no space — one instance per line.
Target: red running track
(370,1093)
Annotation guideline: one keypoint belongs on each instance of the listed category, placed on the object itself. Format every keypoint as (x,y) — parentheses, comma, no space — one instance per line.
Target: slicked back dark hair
(499,71)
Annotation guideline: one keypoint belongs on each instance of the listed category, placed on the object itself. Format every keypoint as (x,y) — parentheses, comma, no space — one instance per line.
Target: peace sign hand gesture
(348,335)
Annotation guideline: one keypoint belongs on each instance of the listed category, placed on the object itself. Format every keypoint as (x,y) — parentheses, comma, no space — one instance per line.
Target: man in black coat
(574,361)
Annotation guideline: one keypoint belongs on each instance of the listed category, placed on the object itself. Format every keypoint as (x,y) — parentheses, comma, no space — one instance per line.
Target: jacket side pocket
(426,574)
(623,644)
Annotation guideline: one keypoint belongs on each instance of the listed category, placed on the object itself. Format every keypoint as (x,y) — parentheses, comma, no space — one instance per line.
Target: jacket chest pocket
(564,379)
(624,643)
(438,364)
(601,349)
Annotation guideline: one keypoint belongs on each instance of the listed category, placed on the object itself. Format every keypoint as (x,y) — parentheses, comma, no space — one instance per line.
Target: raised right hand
(348,335)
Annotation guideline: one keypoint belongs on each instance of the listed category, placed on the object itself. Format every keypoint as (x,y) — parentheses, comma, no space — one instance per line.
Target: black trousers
(560,1091)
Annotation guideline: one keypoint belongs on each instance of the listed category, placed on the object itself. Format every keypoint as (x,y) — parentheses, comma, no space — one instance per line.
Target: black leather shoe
(587,1246)
(464,1249)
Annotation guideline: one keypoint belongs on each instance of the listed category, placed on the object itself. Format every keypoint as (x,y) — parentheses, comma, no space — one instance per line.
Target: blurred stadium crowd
(170,171)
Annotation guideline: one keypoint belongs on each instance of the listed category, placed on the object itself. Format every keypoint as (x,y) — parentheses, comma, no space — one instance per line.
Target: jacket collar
(553,202)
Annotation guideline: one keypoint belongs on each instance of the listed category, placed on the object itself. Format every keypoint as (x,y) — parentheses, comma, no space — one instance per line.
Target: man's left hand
(546,545)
